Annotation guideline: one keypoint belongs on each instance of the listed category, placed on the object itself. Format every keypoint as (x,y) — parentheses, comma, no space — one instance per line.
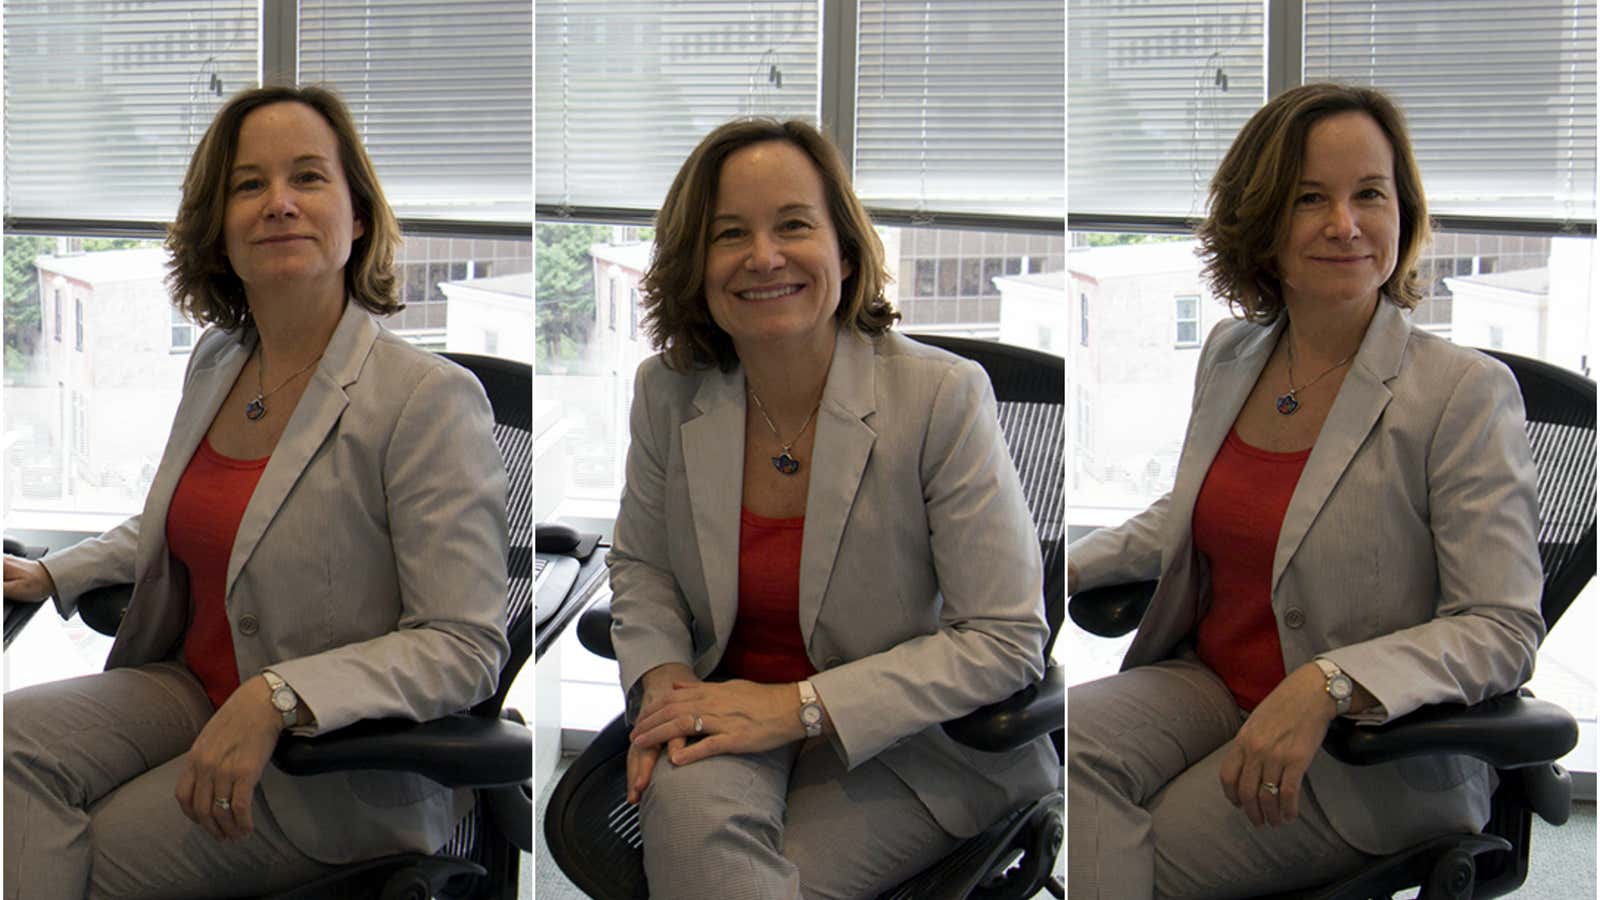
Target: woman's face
(289,220)
(1344,220)
(773,267)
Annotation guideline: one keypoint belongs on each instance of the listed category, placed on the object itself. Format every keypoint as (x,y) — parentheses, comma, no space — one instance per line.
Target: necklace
(257,408)
(785,462)
(1286,403)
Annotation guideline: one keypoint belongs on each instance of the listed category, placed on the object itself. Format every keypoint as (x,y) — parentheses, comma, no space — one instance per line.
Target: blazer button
(1294,617)
(248,624)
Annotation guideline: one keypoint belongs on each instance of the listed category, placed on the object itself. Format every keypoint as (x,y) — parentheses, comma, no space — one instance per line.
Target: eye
(795,225)
(730,233)
(1308,198)
(310,175)
(246,184)
(1371,193)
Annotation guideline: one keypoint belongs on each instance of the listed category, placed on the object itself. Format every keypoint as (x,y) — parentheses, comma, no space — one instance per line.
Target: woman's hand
(733,717)
(226,761)
(27,580)
(1276,746)
(655,684)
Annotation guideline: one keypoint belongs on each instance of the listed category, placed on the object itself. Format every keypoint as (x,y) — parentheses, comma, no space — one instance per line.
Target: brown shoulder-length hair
(676,315)
(203,284)
(1252,193)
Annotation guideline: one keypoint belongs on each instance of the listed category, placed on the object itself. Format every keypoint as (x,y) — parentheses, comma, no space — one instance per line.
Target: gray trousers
(783,824)
(1146,816)
(91,773)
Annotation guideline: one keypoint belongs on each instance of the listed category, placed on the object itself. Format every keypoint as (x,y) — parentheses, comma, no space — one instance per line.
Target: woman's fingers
(641,765)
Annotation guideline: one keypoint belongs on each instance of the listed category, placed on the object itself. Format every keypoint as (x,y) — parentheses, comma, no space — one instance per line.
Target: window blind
(104,102)
(440,92)
(1500,97)
(624,90)
(1157,91)
(960,106)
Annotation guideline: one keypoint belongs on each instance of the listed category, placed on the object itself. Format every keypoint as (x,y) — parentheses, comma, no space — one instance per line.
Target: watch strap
(279,688)
(1331,675)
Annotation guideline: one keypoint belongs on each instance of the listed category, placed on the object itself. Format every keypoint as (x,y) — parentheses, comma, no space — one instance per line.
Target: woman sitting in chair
(1351,533)
(822,553)
(324,541)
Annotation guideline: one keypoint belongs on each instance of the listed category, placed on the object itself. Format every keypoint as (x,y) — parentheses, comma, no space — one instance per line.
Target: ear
(360,229)
(846,267)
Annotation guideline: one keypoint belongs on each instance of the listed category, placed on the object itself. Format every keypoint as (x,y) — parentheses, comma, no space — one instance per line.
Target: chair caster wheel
(407,884)
(1451,878)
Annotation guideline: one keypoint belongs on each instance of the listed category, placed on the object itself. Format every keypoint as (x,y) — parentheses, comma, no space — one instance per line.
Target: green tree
(22,313)
(1114,239)
(564,288)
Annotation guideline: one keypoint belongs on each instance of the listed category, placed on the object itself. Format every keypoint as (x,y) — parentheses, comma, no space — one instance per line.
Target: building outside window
(182,332)
(1188,319)
(1083,320)
(78,330)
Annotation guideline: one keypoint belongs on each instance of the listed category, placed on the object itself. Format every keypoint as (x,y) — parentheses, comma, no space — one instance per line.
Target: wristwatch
(284,699)
(1337,684)
(810,710)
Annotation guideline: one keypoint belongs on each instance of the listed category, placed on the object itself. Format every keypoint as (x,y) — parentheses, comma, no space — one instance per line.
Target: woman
(324,541)
(822,552)
(1351,532)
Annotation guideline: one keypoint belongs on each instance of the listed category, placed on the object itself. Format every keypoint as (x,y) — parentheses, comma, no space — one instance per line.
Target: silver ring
(1270,787)
(222,803)
(699,725)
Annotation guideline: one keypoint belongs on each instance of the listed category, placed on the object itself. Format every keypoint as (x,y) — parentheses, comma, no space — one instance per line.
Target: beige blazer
(920,579)
(369,569)
(1407,554)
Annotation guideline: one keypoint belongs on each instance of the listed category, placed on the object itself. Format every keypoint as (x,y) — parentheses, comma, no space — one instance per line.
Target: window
(77,332)
(80,425)
(1083,320)
(55,331)
(1187,316)
(633,312)
(182,332)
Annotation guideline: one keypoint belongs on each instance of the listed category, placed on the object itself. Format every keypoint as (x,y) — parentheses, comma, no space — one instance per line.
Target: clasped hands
(1265,764)
(732,717)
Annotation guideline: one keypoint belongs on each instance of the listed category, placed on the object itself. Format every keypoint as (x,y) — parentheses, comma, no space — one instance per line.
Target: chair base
(1010,860)
(404,876)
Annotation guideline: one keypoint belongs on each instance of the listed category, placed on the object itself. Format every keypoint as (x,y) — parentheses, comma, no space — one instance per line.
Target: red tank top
(1237,517)
(201,525)
(766,645)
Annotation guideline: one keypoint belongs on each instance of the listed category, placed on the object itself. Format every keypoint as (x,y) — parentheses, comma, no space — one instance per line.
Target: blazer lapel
(1361,400)
(209,385)
(714,465)
(1223,393)
(844,439)
(313,417)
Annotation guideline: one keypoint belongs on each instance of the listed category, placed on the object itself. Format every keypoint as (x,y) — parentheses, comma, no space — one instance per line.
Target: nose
(1341,223)
(279,201)
(765,255)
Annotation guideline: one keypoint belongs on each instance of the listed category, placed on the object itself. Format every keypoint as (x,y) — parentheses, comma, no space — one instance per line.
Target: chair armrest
(1111,611)
(1038,709)
(103,608)
(457,750)
(1508,732)
(594,629)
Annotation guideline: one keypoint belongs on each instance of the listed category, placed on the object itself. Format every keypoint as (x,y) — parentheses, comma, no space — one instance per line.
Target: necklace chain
(257,408)
(1287,404)
(785,462)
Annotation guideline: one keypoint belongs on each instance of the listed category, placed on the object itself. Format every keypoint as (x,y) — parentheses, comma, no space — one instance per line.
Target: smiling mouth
(283,239)
(771,293)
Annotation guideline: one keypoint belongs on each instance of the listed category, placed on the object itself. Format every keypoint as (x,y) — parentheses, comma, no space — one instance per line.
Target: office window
(1083,320)
(77,332)
(55,331)
(1187,315)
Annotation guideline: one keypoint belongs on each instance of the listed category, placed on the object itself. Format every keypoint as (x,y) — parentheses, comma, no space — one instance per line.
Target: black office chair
(593,833)
(487,748)
(1519,735)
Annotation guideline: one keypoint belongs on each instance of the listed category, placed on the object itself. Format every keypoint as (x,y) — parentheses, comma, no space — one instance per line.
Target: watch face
(810,715)
(1339,686)
(284,699)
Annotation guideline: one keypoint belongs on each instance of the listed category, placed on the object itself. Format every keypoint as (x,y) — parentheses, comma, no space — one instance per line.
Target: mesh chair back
(1030,391)
(509,386)
(1561,430)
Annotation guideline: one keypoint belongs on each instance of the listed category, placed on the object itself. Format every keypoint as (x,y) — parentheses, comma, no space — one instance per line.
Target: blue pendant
(1287,404)
(785,463)
(255,409)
